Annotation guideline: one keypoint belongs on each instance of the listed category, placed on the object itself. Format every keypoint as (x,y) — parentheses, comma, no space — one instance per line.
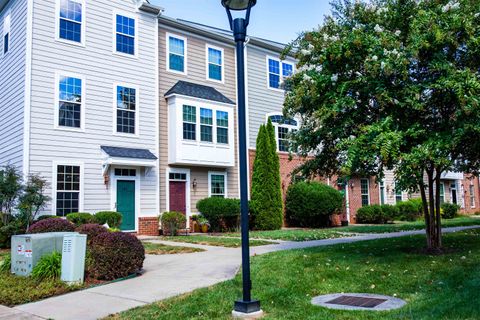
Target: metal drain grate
(353,301)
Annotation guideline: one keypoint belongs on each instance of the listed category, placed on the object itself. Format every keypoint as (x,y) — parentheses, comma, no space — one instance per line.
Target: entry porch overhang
(127,157)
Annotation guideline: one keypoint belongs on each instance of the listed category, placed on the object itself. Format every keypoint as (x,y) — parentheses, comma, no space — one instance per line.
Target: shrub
(48,267)
(371,214)
(222,213)
(6,264)
(310,204)
(410,210)
(390,212)
(7,231)
(112,218)
(51,225)
(46,216)
(449,210)
(79,218)
(114,255)
(92,230)
(172,221)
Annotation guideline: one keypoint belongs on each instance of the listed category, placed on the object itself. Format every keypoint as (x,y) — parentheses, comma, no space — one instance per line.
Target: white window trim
(83,25)
(276,125)
(380,192)
(7,29)
(281,71)
(472,195)
(207,63)
(55,164)
(169,170)
(137,110)
(213,126)
(113,193)
(368,190)
(59,74)
(442,194)
(114,37)
(216,126)
(219,173)
(185,53)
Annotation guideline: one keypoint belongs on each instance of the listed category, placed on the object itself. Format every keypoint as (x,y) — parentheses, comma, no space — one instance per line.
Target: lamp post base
(248,308)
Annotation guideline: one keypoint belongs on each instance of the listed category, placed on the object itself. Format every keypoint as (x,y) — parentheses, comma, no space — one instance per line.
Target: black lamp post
(239,28)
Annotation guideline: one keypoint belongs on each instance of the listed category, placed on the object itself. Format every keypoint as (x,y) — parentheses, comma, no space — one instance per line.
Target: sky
(278,20)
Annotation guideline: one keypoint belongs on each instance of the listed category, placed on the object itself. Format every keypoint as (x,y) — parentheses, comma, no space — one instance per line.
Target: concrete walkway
(170,275)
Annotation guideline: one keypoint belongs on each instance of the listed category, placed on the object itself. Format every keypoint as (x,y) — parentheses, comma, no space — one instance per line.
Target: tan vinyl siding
(196,68)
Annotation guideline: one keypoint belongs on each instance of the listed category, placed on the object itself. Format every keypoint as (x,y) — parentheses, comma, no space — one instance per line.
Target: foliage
(52,225)
(33,199)
(79,218)
(112,218)
(46,216)
(266,194)
(223,214)
(449,210)
(115,255)
(10,189)
(13,227)
(202,221)
(391,84)
(92,230)
(172,221)
(409,210)
(158,248)
(310,204)
(6,263)
(48,267)
(390,211)
(373,214)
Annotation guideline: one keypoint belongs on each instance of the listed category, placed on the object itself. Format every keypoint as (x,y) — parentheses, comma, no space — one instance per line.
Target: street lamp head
(238,4)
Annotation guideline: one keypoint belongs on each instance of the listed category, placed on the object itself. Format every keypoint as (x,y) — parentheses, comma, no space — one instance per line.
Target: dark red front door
(178,201)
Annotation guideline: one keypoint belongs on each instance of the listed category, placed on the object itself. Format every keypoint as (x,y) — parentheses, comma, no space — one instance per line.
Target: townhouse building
(78,99)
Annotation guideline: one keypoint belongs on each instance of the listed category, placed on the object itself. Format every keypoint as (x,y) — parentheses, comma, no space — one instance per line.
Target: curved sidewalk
(170,275)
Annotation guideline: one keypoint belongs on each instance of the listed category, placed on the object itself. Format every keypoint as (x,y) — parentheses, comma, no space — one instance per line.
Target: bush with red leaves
(92,230)
(51,225)
(115,255)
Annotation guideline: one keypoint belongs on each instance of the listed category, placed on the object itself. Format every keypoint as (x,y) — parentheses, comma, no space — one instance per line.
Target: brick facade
(355,195)
(148,226)
(471,206)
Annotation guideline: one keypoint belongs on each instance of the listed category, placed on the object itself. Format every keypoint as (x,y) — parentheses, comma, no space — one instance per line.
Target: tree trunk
(438,218)
(431,242)
(425,213)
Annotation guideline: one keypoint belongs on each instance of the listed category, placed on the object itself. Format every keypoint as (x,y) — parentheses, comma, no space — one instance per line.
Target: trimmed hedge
(79,218)
(92,230)
(112,218)
(310,204)
(46,216)
(52,225)
(410,210)
(222,213)
(391,212)
(114,255)
(373,214)
(449,210)
(172,221)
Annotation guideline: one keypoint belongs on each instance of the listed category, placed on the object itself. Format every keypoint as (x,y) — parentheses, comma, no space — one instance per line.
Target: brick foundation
(148,226)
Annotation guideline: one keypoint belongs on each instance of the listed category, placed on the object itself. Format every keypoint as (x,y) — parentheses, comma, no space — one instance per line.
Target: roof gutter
(150,8)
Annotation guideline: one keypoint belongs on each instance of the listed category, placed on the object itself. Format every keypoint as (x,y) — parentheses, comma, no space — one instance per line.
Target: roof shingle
(198,91)
(129,153)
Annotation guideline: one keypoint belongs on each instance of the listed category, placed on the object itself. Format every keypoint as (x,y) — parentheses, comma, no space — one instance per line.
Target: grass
(435,287)
(320,234)
(158,248)
(214,241)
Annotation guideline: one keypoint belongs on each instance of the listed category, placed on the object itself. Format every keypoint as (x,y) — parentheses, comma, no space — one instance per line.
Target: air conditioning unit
(27,249)
(73,258)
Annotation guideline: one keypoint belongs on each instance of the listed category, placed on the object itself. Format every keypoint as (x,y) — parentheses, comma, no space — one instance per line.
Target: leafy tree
(10,189)
(32,199)
(266,203)
(391,84)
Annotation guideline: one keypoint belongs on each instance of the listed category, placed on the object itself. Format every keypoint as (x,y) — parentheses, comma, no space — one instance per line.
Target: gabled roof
(129,153)
(190,89)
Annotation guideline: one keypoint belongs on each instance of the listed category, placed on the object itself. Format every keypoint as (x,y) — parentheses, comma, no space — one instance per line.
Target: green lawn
(214,241)
(158,248)
(435,287)
(320,234)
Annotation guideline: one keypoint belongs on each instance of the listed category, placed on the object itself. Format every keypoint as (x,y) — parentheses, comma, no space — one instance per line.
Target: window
(215,62)
(120,172)
(442,192)
(365,192)
(217,184)
(68,190)
(398,194)
(6,33)
(70,102)
(277,72)
(472,195)
(176,54)
(177,176)
(382,192)
(283,128)
(189,122)
(70,20)
(126,109)
(206,125)
(222,127)
(125,34)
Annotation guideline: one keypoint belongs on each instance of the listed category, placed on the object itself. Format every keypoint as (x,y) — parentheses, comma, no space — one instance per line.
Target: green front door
(126,203)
